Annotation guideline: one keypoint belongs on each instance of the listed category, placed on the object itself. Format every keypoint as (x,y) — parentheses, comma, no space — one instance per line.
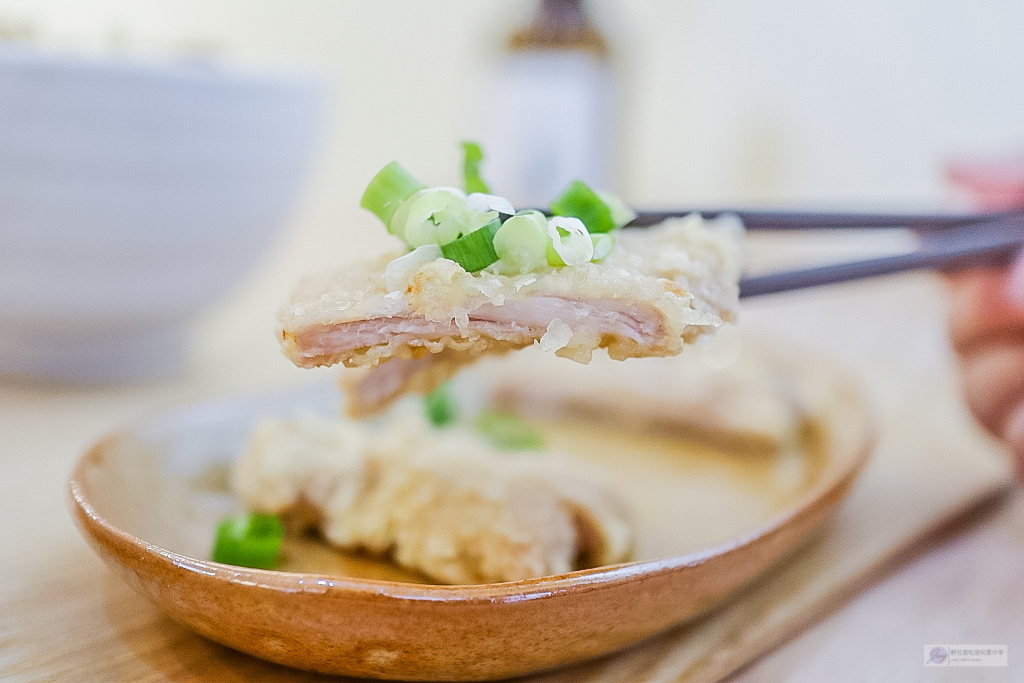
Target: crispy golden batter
(441,502)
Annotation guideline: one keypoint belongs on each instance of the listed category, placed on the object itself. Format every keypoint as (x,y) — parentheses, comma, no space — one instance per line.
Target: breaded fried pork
(442,502)
(659,289)
(757,401)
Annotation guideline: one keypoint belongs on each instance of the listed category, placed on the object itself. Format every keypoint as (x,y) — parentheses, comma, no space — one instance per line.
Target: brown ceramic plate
(148,499)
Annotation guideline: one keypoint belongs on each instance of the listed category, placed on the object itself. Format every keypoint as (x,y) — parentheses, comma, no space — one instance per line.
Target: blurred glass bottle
(551,119)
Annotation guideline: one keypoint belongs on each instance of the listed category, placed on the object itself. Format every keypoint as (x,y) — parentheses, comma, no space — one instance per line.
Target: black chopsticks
(948,242)
(826,220)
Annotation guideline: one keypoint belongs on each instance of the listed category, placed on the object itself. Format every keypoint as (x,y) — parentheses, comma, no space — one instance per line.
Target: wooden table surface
(963,587)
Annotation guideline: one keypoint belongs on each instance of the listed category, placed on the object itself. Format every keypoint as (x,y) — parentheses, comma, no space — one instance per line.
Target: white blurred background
(792,102)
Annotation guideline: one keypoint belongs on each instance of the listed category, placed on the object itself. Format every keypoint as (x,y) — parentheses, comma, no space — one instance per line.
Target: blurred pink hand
(987,332)
(987,314)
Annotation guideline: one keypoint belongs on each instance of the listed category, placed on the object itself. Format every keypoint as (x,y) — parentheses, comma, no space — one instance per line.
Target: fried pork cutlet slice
(443,503)
(660,288)
(752,402)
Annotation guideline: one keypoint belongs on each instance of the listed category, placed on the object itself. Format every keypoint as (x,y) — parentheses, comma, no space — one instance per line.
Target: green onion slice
(399,271)
(570,242)
(442,214)
(521,243)
(474,251)
(603,245)
(471,168)
(387,190)
(252,540)
(478,219)
(507,431)
(440,405)
(579,201)
(621,213)
(422,205)
(433,216)
(479,201)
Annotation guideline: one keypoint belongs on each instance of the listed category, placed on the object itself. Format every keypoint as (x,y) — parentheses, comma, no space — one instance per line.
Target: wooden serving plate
(709,521)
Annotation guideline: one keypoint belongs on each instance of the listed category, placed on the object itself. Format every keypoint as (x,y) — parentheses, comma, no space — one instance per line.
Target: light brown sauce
(687,495)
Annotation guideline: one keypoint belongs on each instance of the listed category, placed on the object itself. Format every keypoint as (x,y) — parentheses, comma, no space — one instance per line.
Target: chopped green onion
(507,431)
(440,405)
(471,168)
(478,219)
(579,201)
(521,243)
(479,201)
(399,271)
(552,256)
(442,214)
(432,216)
(603,245)
(401,218)
(570,242)
(475,250)
(387,190)
(621,213)
(252,540)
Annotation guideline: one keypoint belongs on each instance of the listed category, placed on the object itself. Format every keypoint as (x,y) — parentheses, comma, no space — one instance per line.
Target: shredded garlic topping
(557,335)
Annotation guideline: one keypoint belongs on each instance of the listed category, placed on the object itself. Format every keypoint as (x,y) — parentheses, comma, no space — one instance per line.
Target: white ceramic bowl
(131,195)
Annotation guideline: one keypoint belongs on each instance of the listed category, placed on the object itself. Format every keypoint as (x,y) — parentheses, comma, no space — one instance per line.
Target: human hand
(987,332)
